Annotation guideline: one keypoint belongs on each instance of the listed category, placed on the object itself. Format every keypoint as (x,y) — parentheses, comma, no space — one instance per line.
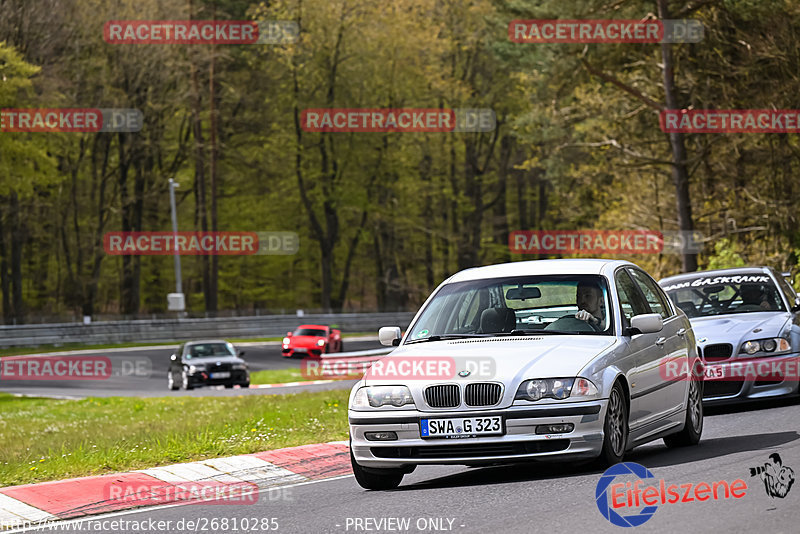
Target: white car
(501,364)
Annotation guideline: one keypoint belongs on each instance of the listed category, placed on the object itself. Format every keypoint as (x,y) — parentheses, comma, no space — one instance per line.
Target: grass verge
(47,439)
(277,376)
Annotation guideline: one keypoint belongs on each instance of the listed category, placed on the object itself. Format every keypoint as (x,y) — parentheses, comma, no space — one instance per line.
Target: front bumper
(203,378)
(732,391)
(291,352)
(519,442)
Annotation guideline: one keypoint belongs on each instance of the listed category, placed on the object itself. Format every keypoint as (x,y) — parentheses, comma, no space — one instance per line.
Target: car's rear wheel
(229,386)
(615,428)
(693,427)
(376,479)
(171,384)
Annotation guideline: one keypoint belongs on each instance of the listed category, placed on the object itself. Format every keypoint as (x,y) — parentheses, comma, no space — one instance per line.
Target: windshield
(209,350)
(704,296)
(518,305)
(310,332)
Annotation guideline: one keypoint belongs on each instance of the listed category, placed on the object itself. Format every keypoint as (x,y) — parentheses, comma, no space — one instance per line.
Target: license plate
(715,373)
(220,375)
(461,428)
(301,350)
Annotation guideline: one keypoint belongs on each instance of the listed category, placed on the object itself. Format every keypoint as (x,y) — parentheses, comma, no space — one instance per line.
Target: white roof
(538,267)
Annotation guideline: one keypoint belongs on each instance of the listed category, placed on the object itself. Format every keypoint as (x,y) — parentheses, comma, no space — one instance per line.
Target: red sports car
(312,340)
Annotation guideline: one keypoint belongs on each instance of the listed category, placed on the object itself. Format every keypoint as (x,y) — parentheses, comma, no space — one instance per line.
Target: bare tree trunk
(17,238)
(680,174)
(211,300)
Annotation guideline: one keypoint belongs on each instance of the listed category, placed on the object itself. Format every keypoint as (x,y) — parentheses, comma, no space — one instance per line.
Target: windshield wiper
(530,332)
(446,336)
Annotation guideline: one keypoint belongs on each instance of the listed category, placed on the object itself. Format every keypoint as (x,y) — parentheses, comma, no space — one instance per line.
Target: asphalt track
(142,372)
(522,498)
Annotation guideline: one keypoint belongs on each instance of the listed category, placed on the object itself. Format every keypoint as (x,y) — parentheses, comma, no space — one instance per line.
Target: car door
(631,304)
(662,394)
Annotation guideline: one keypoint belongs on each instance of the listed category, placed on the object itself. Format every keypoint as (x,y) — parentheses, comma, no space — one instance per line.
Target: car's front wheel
(171,384)
(185,382)
(376,479)
(615,428)
(693,427)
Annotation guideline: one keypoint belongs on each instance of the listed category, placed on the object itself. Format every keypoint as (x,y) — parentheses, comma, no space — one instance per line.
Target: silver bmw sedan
(535,360)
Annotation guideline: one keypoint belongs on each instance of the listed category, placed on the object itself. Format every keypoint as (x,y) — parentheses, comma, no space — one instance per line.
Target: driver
(589,299)
(754,295)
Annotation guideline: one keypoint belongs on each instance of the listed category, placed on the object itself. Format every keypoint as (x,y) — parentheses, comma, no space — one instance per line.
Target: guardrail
(168,330)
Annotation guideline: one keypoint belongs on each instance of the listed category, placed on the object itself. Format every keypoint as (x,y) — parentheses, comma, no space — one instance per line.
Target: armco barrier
(166,330)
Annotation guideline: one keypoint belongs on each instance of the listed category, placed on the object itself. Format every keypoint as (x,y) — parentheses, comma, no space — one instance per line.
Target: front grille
(445,396)
(717,352)
(219,367)
(472,451)
(720,388)
(482,394)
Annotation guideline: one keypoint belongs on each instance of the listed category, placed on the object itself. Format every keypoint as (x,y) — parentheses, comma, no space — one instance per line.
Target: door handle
(660,341)
(681,332)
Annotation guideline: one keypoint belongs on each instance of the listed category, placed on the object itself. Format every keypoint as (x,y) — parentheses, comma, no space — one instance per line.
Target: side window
(630,300)
(655,298)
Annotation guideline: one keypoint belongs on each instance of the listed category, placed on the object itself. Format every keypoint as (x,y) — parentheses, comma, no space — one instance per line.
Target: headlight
(772,345)
(239,366)
(555,388)
(377,396)
(196,368)
(321,343)
(286,341)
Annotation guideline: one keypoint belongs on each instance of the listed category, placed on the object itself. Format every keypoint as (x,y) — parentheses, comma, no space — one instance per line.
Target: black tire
(171,384)
(376,479)
(615,428)
(185,382)
(693,426)
(244,385)
(229,386)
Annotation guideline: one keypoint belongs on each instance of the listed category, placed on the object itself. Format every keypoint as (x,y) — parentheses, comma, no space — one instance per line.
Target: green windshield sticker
(422,333)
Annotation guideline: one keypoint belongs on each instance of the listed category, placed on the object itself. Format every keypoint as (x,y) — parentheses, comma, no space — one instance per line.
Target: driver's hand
(584,315)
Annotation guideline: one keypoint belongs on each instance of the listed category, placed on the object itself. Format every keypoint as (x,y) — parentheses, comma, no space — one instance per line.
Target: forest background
(382,217)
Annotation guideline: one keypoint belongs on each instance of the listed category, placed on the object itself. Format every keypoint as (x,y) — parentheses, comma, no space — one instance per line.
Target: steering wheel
(570,323)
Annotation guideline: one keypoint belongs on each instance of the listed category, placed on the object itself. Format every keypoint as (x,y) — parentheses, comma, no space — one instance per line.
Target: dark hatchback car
(207,363)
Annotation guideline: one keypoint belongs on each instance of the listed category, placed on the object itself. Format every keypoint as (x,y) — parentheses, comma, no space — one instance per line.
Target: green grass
(47,439)
(18,351)
(277,376)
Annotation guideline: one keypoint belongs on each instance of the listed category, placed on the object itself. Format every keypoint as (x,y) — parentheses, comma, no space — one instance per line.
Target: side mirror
(648,323)
(796,308)
(241,353)
(388,335)
(288,334)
